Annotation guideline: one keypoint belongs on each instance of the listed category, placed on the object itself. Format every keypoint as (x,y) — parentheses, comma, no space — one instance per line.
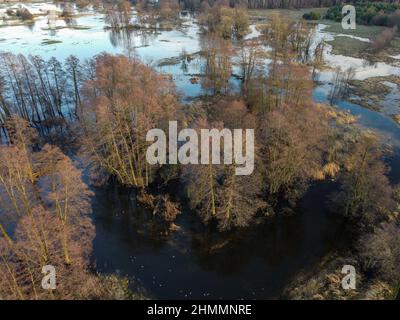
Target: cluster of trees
(384,39)
(223,20)
(290,42)
(68,11)
(280,4)
(366,193)
(250,4)
(387,20)
(119,14)
(123,101)
(24,14)
(45,93)
(45,220)
(380,256)
(158,11)
(369,199)
(217,68)
(283,104)
(51,96)
(290,4)
(372,13)
(312,15)
(371,204)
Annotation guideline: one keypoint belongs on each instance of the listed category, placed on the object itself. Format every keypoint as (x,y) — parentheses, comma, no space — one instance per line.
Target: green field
(359,49)
(291,14)
(362,31)
(348,46)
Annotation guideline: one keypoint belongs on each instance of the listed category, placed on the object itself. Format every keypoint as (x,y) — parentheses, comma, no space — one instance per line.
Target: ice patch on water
(395,56)
(254,33)
(363,69)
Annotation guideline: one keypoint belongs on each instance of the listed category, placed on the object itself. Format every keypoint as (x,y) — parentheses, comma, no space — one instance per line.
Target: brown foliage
(218,65)
(366,191)
(380,252)
(295,139)
(215,190)
(123,101)
(160,205)
(225,21)
(45,206)
(383,39)
(119,15)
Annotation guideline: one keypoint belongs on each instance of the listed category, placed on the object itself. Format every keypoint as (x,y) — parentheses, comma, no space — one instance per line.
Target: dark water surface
(197,262)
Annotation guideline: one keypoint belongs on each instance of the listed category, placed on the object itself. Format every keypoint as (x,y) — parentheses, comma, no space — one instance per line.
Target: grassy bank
(261,14)
(363,31)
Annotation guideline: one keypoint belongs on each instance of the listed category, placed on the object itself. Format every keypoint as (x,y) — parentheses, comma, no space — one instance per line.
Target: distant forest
(282,4)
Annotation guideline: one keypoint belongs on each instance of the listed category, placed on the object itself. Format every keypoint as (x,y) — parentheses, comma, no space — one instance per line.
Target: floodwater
(198,262)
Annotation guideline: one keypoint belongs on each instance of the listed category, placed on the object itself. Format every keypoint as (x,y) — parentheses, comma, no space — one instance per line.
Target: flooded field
(198,262)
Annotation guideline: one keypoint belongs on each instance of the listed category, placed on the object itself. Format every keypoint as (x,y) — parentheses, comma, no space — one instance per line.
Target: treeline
(289,4)
(383,39)
(124,100)
(44,93)
(250,4)
(280,4)
(44,203)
